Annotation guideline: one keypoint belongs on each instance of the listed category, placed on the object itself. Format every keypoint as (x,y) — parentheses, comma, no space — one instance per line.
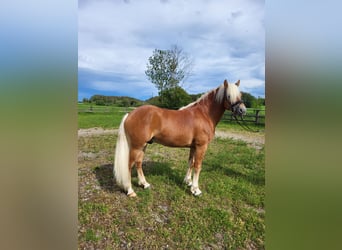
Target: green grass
(229,214)
(102,116)
(103,120)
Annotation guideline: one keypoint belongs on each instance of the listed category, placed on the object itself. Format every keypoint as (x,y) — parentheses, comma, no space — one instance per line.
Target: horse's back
(149,113)
(176,128)
(144,115)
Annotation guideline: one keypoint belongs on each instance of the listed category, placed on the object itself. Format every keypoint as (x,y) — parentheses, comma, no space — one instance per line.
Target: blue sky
(225,39)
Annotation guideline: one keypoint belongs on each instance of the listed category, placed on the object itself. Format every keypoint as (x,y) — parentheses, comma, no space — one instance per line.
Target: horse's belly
(176,140)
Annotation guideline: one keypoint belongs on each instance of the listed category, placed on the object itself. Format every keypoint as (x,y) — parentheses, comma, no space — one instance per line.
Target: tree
(100,102)
(168,69)
(175,98)
(248,99)
(260,102)
(125,102)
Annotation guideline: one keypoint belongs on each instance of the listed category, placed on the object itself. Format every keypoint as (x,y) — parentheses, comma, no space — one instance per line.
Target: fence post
(257,116)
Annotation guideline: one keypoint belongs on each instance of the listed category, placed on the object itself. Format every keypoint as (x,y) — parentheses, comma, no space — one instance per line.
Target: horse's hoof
(188,182)
(145,186)
(133,194)
(196,191)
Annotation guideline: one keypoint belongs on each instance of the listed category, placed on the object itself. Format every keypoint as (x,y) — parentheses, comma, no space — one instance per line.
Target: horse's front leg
(187,178)
(199,155)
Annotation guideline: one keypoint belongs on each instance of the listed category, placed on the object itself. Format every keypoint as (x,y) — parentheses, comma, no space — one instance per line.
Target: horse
(192,126)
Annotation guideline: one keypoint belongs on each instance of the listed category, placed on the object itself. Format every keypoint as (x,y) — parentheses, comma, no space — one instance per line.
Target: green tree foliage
(260,102)
(154,101)
(194,97)
(122,101)
(175,98)
(248,99)
(125,102)
(167,70)
(251,101)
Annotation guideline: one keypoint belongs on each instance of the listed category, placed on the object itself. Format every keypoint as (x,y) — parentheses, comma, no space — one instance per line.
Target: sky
(224,38)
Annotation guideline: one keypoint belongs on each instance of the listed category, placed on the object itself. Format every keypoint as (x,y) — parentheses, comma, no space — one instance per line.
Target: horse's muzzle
(239,109)
(242,110)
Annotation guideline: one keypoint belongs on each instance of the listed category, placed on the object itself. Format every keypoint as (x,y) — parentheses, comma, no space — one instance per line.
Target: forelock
(232,93)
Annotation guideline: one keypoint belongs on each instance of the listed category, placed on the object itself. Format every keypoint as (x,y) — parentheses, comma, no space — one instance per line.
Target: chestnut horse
(192,126)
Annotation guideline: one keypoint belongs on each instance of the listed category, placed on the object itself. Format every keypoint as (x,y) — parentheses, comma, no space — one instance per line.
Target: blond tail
(121,171)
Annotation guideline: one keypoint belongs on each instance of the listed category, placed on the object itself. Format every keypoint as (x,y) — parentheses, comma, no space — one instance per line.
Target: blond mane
(232,92)
(198,100)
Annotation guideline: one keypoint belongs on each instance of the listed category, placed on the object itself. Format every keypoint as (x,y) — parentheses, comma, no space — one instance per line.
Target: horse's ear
(237,83)
(225,83)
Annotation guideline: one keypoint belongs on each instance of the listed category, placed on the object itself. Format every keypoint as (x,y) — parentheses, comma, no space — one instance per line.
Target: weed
(90,235)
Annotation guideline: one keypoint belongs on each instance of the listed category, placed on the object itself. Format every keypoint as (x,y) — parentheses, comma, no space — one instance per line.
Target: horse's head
(233,101)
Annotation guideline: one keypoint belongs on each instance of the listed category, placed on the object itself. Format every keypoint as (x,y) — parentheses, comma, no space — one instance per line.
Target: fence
(103,109)
(256,116)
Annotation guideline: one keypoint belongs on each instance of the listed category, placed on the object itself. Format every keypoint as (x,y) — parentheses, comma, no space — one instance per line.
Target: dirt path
(256,140)
(95,131)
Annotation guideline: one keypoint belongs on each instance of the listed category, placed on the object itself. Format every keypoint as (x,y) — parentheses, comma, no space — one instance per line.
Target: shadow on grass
(152,168)
(252,177)
(105,177)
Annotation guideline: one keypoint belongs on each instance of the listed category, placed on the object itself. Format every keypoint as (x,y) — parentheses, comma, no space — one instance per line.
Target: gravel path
(95,131)
(256,140)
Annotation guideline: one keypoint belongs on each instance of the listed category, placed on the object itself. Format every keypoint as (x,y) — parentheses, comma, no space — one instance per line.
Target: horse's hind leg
(130,191)
(138,156)
(187,178)
(199,155)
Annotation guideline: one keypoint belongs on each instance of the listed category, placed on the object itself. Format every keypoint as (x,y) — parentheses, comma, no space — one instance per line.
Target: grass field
(229,214)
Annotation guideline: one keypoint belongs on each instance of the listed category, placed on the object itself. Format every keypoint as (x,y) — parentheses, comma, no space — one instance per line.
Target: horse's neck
(214,109)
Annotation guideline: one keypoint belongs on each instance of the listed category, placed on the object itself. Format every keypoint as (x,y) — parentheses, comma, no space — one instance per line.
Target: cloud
(106,83)
(111,86)
(225,39)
